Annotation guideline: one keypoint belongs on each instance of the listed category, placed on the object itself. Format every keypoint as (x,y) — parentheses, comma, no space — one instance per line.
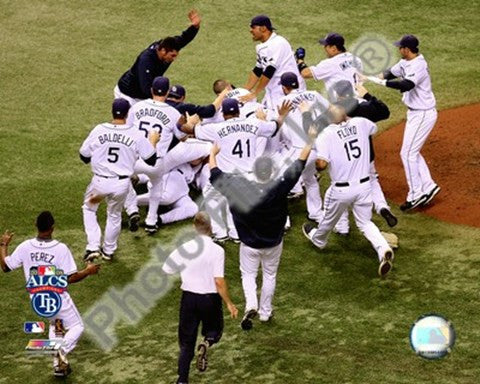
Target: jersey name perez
(42,256)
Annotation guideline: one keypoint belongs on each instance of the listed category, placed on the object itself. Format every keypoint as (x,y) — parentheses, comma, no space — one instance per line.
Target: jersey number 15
(352,150)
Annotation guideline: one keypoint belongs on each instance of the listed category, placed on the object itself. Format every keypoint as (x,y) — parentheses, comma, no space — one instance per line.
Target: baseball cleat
(107,256)
(220,240)
(202,360)
(389,217)
(413,204)
(151,229)
(246,323)
(236,240)
(265,318)
(308,229)
(386,264)
(133,222)
(429,196)
(295,195)
(91,255)
(344,234)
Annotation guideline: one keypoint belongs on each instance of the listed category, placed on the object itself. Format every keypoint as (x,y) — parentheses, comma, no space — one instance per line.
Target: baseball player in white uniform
(112,149)
(340,64)
(238,140)
(175,193)
(148,115)
(44,250)
(294,136)
(416,86)
(274,57)
(344,148)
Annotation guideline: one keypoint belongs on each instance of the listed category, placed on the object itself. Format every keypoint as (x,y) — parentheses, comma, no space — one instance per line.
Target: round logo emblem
(432,336)
(46,303)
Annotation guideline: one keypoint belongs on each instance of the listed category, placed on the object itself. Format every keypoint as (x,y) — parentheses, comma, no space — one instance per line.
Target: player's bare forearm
(283,111)
(262,83)
(212,160)
(91,269)
(4,242)
(222,290)
(306,73)
(252,80)
(218,101)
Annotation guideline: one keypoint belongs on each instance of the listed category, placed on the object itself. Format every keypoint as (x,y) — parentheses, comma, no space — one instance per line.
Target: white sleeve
(267,128)
(145,148)
(415,72)
(14,261)
(171,266)
(372,128)
(322,70)
(206,132)
(219,263)
(68,263)
(322,102)
(321,145)
(86,149)
(396,70)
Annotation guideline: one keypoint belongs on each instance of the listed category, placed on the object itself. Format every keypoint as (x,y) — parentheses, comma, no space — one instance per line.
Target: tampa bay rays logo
(46,284)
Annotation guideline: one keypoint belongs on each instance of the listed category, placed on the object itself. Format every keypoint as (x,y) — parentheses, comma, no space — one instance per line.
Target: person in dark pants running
(201,265)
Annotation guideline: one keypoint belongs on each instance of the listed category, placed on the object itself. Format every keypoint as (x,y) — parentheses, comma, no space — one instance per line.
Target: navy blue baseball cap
(262,21)
(407,41)
(343,88)
(177,91)
(230,107)
(333,39)
(289,79)
(160,85)
(120,108)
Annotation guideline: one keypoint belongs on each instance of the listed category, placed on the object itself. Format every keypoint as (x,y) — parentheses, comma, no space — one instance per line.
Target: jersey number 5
(113,154)
(238,150)
(352,149)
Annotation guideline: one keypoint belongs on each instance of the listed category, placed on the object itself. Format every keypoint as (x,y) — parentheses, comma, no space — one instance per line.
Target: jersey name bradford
(234,128)
(42,256)
(347,131)
(115,138)
(152,112)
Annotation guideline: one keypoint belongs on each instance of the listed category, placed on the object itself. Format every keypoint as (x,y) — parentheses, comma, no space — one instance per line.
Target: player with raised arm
(44,250)
(112,150)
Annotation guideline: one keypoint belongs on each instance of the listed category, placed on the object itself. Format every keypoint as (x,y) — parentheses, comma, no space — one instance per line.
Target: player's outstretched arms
(90,269)
(4,242)
(222,290)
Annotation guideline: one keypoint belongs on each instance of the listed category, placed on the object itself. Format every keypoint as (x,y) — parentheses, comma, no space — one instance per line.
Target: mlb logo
(34,327)
(46,270)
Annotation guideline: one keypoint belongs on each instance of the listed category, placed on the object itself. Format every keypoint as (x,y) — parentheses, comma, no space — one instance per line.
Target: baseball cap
(289,79)
(343,88)
(120,108)
(160,85)
(177,91)
(407,41)
(333,39)
(230,107)
(262,21)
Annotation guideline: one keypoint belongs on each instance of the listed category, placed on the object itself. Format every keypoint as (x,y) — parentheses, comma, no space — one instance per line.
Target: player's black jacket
(137,81)
(259,210)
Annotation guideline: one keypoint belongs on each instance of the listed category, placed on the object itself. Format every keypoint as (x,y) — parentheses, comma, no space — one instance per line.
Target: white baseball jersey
(343,66)
(247,109)
(237,139)
(115,148)
(35,252)
(152,114)
(416,70)
(292,131)
(346,148)
(199,272)
(277,52)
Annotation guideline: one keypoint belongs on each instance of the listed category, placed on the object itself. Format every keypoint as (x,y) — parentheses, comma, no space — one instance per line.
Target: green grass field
(336,321)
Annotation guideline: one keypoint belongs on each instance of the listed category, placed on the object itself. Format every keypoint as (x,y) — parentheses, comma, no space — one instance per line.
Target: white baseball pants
(216,206)
(72,323)
(114,191)
(417,128)
(337,201)
(250,261)
(118,94)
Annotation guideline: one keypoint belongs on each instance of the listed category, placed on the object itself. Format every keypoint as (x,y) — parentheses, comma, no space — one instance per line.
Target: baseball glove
(391,238)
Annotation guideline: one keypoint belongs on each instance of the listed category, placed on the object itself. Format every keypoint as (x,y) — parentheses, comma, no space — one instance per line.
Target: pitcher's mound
(452,152)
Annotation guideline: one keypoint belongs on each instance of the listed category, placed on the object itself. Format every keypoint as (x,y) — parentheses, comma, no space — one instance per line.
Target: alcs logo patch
(46,284)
